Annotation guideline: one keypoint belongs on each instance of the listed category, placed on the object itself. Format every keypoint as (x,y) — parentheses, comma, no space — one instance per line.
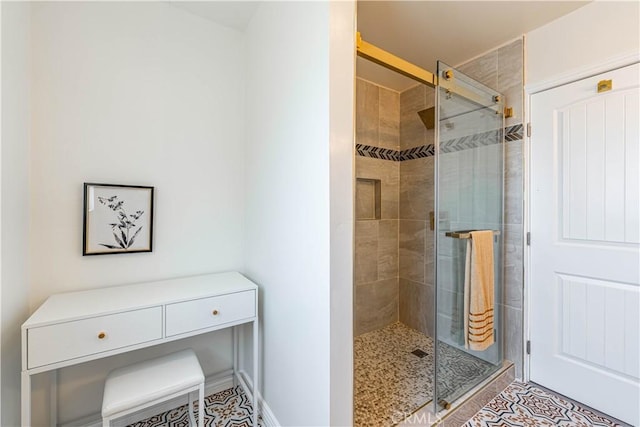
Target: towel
(478,291)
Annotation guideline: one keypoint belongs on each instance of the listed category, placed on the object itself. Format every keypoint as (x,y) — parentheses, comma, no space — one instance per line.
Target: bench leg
(53,398)
(106,422)
(192,418)
(201,406)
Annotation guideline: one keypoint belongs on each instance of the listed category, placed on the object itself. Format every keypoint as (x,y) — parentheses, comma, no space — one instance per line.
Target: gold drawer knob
(102,336)
(215,312)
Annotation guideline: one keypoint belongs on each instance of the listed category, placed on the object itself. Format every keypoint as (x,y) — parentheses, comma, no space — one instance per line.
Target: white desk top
(70,306)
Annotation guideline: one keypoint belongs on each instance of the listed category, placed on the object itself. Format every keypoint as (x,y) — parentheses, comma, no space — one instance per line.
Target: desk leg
(256,373)
(235,356)
(26,399)
(53,398)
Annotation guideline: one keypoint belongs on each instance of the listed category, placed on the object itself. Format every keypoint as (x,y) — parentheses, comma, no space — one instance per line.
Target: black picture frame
(117,219)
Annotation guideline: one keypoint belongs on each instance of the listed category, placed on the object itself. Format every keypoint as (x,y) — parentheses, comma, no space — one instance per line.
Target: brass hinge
(528,347)
(508,112)
(528,238)
(528,130)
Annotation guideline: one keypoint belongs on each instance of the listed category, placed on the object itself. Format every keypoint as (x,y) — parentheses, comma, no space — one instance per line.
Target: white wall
(15,201)
(287,227)
(133,93)
(341,126)
(595,33)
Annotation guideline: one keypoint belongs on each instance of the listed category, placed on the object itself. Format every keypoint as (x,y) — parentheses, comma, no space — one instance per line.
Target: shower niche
(368,192)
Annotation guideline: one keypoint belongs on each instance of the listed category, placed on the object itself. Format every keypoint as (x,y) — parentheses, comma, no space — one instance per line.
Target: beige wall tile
(388,249)
(513,273)
(513,187)
(511,77)
(429,256)
(513,336)
(411,250)
(376,305)
(366,248)
(483,69)
(413,133)
(367,106)
(416,188)
(389,113)
(416,306)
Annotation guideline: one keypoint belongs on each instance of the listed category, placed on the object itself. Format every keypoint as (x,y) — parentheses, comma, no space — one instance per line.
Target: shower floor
(391,382)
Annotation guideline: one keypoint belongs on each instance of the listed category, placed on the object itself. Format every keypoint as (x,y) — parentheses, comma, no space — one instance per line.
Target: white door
(585,234)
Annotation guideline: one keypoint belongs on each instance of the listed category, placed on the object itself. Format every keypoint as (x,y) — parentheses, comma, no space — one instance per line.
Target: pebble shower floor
(391,382)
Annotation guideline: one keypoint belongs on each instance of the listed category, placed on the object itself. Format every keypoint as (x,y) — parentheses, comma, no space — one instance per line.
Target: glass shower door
(469,197)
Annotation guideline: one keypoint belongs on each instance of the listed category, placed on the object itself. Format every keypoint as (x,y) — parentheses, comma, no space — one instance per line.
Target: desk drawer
(70,340)
(203,313)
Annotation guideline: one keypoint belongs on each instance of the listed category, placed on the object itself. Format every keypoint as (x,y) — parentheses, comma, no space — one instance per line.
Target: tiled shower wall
(394,282)
(502,69)
(376,239)
(416,202)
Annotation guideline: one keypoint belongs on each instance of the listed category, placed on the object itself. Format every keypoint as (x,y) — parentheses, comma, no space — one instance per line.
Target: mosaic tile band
(511,133)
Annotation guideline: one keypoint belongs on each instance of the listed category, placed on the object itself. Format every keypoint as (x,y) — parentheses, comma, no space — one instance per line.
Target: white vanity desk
(72,328)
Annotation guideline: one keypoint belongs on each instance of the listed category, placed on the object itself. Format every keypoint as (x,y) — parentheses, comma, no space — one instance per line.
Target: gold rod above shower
(448,81)
(392,62)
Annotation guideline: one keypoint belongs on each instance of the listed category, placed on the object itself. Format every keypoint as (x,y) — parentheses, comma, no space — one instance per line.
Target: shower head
(428,117)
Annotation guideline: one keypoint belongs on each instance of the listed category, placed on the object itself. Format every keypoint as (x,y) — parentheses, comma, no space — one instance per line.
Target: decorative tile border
(377,152)
(417,152)
(511,133)
(395,155)
(470,141)
(514,133)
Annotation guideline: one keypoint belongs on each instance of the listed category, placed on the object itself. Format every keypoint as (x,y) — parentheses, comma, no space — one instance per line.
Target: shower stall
(429,176)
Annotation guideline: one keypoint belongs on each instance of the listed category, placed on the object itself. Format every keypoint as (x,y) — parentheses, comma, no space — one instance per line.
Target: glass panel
(469,196)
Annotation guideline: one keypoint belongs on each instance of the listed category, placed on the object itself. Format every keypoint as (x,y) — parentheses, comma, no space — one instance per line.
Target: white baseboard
(213,384)
(268,418)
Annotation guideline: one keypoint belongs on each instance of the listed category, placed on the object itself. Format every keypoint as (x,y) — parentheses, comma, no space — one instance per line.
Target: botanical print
(117,219)
(125,226)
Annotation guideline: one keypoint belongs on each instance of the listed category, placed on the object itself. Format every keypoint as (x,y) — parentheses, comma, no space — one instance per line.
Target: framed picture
(117,219)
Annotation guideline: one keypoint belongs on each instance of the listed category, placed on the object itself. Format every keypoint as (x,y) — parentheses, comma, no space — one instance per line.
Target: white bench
(135,387)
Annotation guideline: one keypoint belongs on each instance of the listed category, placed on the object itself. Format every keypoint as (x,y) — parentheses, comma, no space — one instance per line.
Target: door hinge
(528,130)
(528,347)
(528,238)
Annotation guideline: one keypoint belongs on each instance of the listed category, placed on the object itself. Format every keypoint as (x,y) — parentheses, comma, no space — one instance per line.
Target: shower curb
(467,406)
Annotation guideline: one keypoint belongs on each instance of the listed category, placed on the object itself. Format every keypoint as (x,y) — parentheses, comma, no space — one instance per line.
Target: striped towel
(479,291)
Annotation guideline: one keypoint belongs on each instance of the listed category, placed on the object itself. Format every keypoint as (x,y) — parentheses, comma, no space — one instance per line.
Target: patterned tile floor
(521,405)
(390,380)
(228,408)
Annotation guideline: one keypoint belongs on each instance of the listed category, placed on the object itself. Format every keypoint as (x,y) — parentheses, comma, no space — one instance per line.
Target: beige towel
(478,291)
